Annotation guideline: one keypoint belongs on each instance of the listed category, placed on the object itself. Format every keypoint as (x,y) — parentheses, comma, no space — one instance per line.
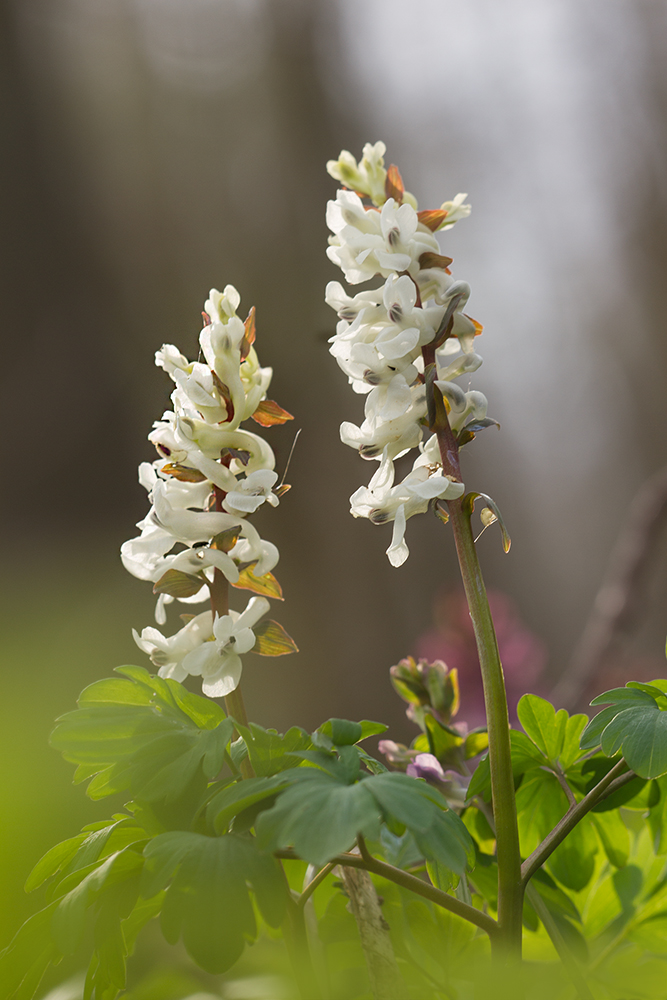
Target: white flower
(455,210)
(221,306)
(251,492)
(398,434)
(366,243)
(168,653)
(218,662)
(186,525)
(381,502)
(250,548)
(368,177)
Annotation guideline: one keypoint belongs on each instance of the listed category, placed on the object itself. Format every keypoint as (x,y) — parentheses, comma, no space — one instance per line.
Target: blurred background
(156,148)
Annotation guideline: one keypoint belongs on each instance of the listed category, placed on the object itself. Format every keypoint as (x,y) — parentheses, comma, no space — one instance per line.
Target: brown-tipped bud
(427,684)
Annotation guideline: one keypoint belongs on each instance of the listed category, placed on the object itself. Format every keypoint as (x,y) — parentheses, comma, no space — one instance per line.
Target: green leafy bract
(323,811)
(635,723)
(144,735)
(206,900)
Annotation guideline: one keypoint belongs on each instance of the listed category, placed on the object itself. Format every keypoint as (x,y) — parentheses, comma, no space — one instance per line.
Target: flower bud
(432,684)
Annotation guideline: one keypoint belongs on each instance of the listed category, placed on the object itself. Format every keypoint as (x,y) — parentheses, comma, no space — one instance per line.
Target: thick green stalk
(510,886)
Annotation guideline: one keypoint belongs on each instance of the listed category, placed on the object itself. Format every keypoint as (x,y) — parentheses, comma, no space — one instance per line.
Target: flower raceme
(210,477)
(382,334)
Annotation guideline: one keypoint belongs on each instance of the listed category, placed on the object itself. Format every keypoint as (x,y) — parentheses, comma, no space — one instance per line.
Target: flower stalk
(510,885)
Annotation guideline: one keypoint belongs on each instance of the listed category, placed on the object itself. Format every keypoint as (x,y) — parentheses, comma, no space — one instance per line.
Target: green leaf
(475,742)
(271,639)
(179,584)
(69,918)
(441,877)
(614,836)
(545,727)
(270,752)
(571,751)
(53,861)
(541,803)
(633,723)
(144,735)
(207,901)
(641,734)
(443,741)
(341,732)
(557,901)
(525,756)
(319,817)
(235,799)
(25,960)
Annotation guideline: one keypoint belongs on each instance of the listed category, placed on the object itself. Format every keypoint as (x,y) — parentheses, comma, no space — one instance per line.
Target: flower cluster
(210,475)
(382,334)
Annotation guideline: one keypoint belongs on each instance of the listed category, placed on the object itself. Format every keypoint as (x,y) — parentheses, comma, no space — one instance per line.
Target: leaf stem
(314,882)
(510,886)
(613,779)
(416,885)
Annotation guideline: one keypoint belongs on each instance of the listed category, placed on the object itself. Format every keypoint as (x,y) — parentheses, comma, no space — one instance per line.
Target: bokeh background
(153,149)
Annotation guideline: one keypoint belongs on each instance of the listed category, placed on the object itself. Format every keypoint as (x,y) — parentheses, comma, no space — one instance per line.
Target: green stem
(616,778)
(414,884)
(510,886)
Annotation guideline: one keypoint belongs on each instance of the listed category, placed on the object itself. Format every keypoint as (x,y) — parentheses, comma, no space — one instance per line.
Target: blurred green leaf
(207,901)
(144,735)
(614,836)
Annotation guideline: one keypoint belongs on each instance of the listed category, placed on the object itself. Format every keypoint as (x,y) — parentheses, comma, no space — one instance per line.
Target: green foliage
(269,751)
(324,809)
(635,723)
(143,735)
(206,900)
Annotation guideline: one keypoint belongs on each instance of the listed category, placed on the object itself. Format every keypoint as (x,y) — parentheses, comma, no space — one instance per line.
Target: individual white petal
(204,660)
(244,640)
(398,551)
(225,680)
(454,395)
(160,608)
(256,608)
(393,343)
(242,503)
(223,628)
